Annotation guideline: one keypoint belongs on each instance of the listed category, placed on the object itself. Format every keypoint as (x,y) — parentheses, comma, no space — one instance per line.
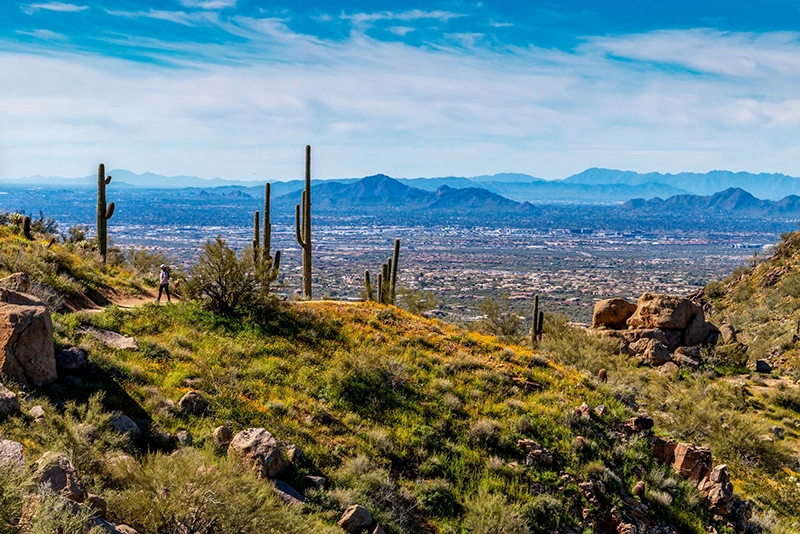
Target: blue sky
(237,88)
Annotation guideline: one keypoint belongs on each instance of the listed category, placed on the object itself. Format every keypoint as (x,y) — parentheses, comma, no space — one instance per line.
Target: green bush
(490,513)
(368,383)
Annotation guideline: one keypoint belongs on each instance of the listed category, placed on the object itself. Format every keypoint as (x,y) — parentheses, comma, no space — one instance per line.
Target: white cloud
(209,4)
(178,17)
(53,6)
(667,101)
(45,35)
(405,16)
(402,31)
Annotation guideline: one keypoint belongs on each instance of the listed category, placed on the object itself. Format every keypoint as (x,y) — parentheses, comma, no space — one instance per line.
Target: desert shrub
(56,514)
(436,497)
(190,492)
(727,359)
(788,398)
(417,301)
(490,513)
(576,347)
(543,512)
(222,280)
(14,484)
(368,383)
(499,319)
(484,432)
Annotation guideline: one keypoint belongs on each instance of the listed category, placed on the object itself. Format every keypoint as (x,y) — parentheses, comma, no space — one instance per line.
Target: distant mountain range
(382,192)
(590,186)
(732,201)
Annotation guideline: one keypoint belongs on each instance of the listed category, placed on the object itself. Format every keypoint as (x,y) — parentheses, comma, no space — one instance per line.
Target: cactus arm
(108,179)
(110,210)
(380,288)
(276,262)
(297,225)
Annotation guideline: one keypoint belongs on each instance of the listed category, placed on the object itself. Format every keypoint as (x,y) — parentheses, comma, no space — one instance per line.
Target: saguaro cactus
(537,321)
(256,240)
(387,278)
(26,228)
(103,212)
(303,227)
(266,252)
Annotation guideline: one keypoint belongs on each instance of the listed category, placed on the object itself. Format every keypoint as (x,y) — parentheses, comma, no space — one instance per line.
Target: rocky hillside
(336,417)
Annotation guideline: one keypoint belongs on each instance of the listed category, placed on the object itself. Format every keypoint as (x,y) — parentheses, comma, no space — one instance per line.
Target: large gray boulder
(257,448)
(663,311)
(26,340)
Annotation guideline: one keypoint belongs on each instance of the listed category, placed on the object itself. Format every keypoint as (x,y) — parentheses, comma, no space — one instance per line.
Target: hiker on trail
(163,283)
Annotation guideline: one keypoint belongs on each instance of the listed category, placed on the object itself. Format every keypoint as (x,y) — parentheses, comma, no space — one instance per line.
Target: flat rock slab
(288,494)
(109,338)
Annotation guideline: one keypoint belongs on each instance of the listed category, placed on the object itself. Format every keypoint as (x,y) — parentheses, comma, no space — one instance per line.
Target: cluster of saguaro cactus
(104,212)
(387,279)
(264,261)
(537,322)
(303,227)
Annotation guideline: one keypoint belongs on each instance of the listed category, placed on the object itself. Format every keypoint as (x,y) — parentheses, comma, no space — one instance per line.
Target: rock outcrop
(612,313)
(658,326)
(355,519)
(27,355)
(56,471)
(257,448)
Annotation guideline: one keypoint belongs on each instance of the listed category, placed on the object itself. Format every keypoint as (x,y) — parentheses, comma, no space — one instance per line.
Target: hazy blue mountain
(731,202)
(768,186)
(382,192)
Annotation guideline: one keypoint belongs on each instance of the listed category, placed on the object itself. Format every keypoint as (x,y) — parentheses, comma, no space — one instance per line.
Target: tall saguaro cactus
(303,227)
(104,212)
(387,278)
(265,264)
(537,322)
(266,252)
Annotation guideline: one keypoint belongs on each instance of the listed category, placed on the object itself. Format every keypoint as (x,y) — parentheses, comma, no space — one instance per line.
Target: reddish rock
(663,311)
(691,461)
(612,313)
(640,423)
(663,450)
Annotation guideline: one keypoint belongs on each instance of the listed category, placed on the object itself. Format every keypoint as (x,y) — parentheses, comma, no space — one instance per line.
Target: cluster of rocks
(55,472)
(695,463)
(258,449)
(658,329)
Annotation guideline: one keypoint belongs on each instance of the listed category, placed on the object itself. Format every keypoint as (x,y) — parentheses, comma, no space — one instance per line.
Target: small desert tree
(222,280)
(498,318)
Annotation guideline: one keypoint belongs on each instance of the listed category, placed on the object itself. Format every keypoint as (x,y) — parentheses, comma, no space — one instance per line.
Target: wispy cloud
(45,35)
(209,4)
(178,17)
(53,6)
(402,31)
(405,16)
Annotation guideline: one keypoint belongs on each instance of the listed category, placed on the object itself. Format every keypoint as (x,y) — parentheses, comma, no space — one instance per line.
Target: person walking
(163,283)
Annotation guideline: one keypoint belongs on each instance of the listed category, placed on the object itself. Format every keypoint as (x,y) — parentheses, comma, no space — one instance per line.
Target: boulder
(19,282)
(663,449)
(634,335)
(717,488)
(125,425)
(222,435)
(763,366)
(56,471)
(27,355)
(11,454)
(355,519)
(37,412)
(612,313)
(97,504)
(184,438)
(193,403)
(109,338)
(377,529)
(700,332)
(727,333)
(257,448)
(687,357)
(536,453)
(295,455)
(602,375)
(9,403)
(669,369)
(651,352)
(691,461)
(288,494)
(71,358)
(639,423)
(639,489)
(664,311)
(317,482)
